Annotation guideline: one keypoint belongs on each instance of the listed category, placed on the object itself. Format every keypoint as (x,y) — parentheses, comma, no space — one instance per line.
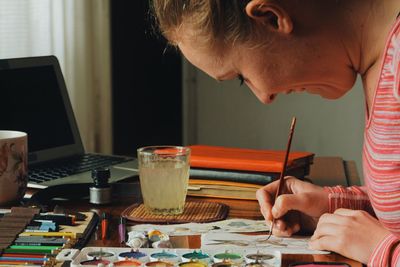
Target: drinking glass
(164,178)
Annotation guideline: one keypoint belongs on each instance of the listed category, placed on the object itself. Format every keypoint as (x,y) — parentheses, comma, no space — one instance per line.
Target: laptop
(34,99)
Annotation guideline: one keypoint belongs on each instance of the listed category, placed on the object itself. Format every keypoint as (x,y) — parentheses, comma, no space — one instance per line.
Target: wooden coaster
(199,212)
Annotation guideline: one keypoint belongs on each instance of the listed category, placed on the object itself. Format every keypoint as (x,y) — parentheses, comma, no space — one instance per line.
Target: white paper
(225,226)
(286,245)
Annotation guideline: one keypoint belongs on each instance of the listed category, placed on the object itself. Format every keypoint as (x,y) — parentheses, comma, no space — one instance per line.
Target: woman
(318,47)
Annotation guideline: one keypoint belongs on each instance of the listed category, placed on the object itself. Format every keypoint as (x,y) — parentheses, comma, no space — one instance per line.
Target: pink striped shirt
(381,159)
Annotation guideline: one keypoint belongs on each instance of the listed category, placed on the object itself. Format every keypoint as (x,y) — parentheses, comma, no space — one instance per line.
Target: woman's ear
(269,13)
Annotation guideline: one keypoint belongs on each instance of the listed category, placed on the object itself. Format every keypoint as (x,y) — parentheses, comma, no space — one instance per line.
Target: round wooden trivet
(200,212)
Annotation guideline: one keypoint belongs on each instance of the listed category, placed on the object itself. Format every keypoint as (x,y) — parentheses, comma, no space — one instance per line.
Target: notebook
(244,165)
(34,99)
(245,159)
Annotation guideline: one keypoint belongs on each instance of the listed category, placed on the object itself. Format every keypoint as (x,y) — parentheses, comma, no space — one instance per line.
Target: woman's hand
(298,208)
(351,233)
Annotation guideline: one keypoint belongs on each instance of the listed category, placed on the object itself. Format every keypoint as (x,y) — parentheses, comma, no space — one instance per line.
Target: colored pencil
(36,256)
(26,264)
(55,234)
(23,259)
(29,251)
(37,244)
(35,247)
(42,239)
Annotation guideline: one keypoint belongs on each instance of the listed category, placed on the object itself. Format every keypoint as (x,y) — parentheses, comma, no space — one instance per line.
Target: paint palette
(149,257)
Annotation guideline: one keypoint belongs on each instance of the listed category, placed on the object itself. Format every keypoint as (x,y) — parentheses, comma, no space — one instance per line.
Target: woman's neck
(370,23)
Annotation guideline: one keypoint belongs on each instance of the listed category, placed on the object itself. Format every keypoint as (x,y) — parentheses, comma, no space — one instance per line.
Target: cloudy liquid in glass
(164,186)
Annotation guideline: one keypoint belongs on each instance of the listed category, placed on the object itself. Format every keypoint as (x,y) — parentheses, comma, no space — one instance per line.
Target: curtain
(78,33)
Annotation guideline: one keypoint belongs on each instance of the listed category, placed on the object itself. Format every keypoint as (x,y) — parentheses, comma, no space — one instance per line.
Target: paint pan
(164,256)
(225,263)
(133,254)
(130,262)
(100,254)
(257,264)
(196,256)
(159,264)
(260,257)
(269,258)
(95,262)
(193,263)
(228,256)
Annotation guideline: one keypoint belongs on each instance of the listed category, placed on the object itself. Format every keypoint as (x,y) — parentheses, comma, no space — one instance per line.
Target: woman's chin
(327,93)
(267,99)
(332,96)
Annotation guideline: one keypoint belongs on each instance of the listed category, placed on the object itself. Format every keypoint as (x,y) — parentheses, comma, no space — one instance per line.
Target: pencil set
(14,222)
(31,238)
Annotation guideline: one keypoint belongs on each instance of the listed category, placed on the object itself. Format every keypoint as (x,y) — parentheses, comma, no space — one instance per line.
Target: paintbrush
(284,166)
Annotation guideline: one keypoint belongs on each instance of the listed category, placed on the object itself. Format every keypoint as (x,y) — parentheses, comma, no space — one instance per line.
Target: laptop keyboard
(70,166)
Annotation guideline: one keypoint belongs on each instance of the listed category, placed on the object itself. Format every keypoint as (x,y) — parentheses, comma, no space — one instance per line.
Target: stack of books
(237,172)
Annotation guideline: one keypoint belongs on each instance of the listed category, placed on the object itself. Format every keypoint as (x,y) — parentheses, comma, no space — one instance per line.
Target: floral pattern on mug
(4,151)
(20,169)
(14,162)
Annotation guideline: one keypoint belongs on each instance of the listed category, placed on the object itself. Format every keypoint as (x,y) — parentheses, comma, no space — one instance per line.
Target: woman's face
(281,64)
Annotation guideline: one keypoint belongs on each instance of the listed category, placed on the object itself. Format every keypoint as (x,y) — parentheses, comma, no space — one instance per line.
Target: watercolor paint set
(148,257)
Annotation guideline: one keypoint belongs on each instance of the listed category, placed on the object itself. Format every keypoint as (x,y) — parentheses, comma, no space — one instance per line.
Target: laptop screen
(36,105)
(34,100)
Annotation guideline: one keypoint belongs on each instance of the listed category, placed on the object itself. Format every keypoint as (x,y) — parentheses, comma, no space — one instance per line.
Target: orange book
(241,159)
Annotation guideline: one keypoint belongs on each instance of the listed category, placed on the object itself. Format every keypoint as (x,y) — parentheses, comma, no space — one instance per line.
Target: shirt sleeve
(397,83)
(387,253)
(396,66)
(354,197)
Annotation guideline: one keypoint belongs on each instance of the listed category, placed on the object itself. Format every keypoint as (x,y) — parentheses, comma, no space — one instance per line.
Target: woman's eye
(241,79)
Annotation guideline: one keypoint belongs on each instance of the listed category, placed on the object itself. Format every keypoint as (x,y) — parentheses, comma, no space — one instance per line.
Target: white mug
(13,166)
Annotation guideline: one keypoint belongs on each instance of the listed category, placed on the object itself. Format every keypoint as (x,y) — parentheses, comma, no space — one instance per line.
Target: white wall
(230,115)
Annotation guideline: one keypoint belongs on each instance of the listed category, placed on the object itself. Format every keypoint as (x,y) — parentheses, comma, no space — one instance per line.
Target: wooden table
(238,209)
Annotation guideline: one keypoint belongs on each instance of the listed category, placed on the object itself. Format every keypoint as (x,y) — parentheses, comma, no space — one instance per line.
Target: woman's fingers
(326,229)
(288,225)
(307,203)
(265,197)
(329,242)
(352,233)
(297,208)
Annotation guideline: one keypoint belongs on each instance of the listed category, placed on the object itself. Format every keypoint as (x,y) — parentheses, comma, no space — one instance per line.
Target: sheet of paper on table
(292,245)
(225,226)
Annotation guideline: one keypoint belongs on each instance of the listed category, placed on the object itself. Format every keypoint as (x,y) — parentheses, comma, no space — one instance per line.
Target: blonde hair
(214,21)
